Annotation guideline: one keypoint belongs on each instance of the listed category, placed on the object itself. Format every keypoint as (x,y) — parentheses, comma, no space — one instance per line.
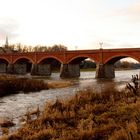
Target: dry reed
(12,85)
(86,116)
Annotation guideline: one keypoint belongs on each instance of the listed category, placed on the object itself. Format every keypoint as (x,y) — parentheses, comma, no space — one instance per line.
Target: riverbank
(59,84)
(12,85)
(111,115)
(121,69)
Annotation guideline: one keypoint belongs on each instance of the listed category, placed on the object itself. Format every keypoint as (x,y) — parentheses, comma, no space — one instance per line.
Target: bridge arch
(107,70)
(27,58)
(3,65)
(73,67)
(48,64)
(22,65)
(82,57)
(115,58)
(4,59)
(49,57)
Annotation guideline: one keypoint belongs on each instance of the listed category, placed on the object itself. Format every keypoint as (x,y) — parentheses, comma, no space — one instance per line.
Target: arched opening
(87,65)
(3,65)
(22,66)
(77,65)
(127,63)
(121,64)
(47,66)
(84,63)
(124,62)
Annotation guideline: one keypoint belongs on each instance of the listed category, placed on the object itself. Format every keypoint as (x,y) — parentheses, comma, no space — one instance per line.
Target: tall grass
(86,116)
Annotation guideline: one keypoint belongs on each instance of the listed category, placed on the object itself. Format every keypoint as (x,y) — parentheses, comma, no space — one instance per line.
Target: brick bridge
(39,63)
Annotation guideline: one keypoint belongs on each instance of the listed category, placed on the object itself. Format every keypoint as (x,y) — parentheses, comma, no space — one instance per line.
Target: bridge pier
(3,68)
(69,70)
(34,69)
(20,68)
(44,69)
(105,71)
(41,69)
(10,68)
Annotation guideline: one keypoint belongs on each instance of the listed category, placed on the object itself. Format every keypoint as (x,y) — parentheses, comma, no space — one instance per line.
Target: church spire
(6,42)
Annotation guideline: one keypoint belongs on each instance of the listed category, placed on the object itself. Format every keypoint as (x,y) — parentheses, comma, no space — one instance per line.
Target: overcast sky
(80,24)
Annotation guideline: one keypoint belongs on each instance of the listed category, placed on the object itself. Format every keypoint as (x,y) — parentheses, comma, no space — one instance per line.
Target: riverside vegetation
(109,115)
(12,85)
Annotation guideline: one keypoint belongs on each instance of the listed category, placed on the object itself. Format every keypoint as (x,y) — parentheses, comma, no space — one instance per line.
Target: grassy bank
(88,69)
(59,84)
(12,85)
(110,115)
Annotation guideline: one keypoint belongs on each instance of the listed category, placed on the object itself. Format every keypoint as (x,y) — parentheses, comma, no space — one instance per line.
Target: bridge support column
(34,69)
(44,69)
(20,68)
(10,68)
(69,70)
(41,69)
(3,68)
(105,71)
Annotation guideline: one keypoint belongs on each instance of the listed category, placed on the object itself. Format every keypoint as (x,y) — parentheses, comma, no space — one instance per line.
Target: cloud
(134,11)
(8,27)
(130,13)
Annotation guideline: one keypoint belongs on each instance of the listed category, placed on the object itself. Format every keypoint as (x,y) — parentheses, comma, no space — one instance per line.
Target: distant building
(6,48)
(6,42)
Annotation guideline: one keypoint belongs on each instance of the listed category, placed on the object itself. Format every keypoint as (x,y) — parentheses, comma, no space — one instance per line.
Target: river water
(15,106)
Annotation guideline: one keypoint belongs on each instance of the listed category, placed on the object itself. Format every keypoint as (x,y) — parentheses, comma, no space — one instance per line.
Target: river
(14,106)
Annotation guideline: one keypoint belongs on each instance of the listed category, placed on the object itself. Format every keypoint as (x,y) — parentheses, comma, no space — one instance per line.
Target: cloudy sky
(77,24)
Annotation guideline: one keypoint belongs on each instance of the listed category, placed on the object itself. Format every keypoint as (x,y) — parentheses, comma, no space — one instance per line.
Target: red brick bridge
(39,63)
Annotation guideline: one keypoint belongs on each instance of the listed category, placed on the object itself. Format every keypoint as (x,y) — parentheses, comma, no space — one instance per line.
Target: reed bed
(110,115)
(11,85)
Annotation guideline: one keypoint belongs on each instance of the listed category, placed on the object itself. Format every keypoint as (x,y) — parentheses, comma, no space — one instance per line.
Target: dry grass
(86,116)
(59,84)
(11,85)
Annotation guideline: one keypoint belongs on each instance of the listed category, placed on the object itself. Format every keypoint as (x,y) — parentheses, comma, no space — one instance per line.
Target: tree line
(126,64)
(119,64)
(39,48)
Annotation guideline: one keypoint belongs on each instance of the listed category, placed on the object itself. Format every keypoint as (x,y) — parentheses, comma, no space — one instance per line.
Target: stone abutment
(105,71)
